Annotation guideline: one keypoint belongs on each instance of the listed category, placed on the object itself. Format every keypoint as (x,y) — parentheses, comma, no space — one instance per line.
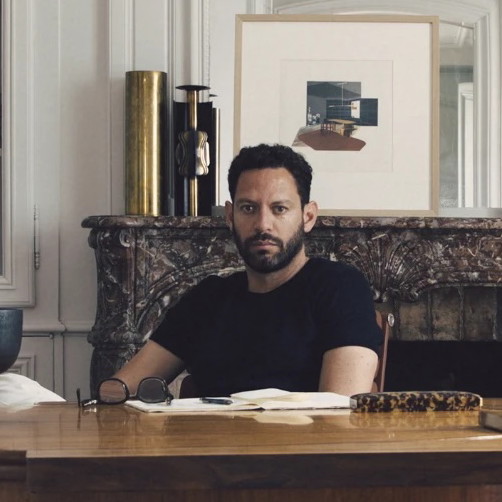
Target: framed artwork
(358,96)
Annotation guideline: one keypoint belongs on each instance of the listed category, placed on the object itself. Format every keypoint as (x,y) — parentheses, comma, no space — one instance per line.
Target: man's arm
(151,360)
(348,370)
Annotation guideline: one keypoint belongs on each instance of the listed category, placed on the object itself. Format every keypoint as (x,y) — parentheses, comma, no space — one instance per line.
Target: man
(288,321)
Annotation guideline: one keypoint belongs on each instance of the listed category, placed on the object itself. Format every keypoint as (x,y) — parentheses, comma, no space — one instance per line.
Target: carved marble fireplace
(438,275)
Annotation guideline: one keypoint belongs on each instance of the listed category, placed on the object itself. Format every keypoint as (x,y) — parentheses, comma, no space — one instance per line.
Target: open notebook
(262,399)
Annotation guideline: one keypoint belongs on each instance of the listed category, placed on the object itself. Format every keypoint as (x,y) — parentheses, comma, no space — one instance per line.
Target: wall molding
(17,273)
(45,327)
(24,365)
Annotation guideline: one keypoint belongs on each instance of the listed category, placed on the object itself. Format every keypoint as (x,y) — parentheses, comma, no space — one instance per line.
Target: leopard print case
(416,401)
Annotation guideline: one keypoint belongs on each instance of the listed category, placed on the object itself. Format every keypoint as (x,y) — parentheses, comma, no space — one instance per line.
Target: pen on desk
(216,400)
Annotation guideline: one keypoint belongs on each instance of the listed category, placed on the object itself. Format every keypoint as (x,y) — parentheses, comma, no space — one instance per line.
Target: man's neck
(265,282)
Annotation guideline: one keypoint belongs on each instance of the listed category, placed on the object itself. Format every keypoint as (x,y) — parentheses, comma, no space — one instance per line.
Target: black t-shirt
(233,340)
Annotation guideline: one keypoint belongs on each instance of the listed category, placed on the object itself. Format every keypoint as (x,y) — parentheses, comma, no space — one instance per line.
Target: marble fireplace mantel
(145,264)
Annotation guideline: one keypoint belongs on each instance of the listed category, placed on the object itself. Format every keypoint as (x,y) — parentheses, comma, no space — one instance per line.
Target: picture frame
(357,95)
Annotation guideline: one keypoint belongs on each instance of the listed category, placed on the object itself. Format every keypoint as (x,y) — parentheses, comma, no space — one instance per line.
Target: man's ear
(310,211)
(229,212)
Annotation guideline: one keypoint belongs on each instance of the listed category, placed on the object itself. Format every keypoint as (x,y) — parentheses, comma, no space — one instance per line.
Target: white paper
(191,405)
(276,399)
(262,399)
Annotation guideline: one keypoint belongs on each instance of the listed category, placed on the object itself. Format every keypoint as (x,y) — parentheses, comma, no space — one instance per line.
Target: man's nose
(263,221)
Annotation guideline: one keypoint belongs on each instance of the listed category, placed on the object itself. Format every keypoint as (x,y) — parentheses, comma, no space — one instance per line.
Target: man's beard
(263,262)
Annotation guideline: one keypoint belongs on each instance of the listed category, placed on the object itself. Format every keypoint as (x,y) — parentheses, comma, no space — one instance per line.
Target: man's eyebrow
(244,200)
(283,201)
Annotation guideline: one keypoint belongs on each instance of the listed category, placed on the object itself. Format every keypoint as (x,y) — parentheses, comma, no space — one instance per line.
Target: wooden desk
(56,452)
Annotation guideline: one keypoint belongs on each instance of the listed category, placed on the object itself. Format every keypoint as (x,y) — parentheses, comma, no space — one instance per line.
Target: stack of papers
(263,399)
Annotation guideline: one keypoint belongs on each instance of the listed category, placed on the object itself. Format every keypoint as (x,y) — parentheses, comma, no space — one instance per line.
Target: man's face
(267,219)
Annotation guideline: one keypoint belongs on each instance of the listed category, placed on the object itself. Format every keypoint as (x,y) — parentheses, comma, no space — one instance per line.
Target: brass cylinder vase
(145,131)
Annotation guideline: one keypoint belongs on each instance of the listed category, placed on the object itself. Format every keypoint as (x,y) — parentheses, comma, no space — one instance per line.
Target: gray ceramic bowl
(11,333)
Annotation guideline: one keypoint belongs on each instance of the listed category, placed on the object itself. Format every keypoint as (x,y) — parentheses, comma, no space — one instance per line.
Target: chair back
(385,320)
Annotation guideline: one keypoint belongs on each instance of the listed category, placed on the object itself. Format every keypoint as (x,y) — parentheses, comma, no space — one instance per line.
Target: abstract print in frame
(358,96)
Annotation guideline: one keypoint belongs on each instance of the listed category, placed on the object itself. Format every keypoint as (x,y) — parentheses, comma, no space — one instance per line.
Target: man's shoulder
(326,274)
(214,287)
(319,265)
(228,281)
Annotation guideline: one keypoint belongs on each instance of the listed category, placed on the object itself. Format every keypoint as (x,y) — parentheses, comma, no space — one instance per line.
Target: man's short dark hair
(274,156)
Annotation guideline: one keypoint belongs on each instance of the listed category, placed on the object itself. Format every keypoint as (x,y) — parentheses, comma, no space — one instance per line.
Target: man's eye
(280,209)
(247,208)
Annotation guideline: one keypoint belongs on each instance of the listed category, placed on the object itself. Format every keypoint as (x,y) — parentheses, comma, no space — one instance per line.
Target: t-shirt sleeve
(346,311)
